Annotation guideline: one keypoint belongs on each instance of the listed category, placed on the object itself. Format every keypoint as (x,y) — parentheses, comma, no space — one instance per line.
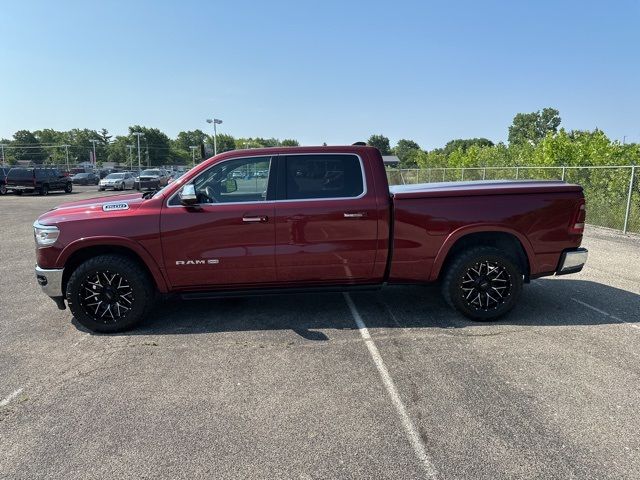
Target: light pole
(138,134)
(130,147)
(66,148)
(215,121)
(193,154)
(95,159)
(2,147)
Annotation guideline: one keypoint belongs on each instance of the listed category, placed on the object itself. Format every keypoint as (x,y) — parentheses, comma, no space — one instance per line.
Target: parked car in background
(104,172)
(40,180)
(3,180)
(152,178)
(175,175)
(85,179)
(117,181)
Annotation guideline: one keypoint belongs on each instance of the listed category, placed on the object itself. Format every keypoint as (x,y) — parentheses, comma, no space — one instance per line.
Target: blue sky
(328,71)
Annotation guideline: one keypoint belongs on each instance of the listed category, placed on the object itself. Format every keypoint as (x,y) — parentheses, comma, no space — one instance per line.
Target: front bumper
(50,281)
(572,261)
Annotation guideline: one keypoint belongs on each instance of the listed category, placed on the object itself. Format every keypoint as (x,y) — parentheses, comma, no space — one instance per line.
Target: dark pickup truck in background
(318,219)
(3,180)
(39,180)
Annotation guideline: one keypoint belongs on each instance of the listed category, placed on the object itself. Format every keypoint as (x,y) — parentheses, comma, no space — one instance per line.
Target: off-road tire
(143,292)
(68,187)
(461,269)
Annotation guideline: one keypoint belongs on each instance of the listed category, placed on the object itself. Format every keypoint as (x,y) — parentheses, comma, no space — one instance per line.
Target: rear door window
(323,176)
(21,173)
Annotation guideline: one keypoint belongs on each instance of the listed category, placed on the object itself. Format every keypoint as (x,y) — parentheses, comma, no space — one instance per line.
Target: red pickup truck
(304,219)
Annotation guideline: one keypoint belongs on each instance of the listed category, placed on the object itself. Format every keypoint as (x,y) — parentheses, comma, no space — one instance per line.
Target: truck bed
(481,187)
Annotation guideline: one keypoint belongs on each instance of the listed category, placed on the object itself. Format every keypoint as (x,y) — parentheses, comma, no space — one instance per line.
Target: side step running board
(276,291)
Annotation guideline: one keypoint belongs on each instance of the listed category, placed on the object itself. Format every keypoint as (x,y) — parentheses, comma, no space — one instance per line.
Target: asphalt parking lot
(297,387)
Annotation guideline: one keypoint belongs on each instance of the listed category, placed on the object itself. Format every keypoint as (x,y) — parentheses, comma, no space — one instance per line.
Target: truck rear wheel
(482,283)
(109,293)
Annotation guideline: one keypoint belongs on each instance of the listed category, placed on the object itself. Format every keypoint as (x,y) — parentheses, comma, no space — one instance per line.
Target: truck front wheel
(109,293)
(483,283)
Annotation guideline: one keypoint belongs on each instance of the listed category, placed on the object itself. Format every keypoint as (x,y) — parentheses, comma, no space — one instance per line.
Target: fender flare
(461,232)
(106,241)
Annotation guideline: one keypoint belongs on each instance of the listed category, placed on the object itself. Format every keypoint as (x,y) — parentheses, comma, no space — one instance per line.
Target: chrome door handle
(354,215)
(255,219)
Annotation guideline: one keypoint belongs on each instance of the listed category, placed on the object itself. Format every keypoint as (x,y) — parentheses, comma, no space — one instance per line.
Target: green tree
(533,127)
(289,142)
(224,142)
(406,150)
(28,148)
(155,145)
(185,140)
(465,143)
(118,151)
(81,147)
(104,136)
(381,143)
(52,141)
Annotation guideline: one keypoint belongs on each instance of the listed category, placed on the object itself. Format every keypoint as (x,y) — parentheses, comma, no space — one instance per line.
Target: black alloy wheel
(483,283)
(106,296)
(109,293)
(486,285)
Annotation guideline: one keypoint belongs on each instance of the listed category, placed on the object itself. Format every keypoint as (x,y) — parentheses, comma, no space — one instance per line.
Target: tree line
(534,138)
(50,146)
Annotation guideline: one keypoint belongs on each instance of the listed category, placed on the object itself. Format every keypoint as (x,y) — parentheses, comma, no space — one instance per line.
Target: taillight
(577,225)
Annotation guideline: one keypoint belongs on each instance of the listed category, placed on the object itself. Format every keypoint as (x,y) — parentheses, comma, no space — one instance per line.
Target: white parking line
(631,324)
(409,427)
(11,396)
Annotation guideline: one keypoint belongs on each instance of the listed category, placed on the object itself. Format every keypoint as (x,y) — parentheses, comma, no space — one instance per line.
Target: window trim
(324,199)
(275,161)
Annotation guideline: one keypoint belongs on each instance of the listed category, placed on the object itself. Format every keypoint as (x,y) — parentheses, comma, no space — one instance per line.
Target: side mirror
(229,186)
(188,195)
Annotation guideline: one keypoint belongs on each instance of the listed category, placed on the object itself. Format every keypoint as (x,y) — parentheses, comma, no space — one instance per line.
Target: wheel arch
(500,237)
(82,250)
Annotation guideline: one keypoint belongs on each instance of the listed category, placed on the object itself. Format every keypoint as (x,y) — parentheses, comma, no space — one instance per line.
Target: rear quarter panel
(427,228)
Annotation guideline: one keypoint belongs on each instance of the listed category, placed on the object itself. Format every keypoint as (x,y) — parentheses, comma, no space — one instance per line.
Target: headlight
(45,235)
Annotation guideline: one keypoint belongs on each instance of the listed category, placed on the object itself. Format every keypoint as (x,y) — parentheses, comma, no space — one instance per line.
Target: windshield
(113,176)
(81,175)
(148,173)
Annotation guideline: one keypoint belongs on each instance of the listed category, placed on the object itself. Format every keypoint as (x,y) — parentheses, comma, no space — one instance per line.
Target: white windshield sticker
(110,207)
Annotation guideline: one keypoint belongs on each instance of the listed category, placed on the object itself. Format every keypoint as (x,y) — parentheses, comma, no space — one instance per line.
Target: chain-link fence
(612,193)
